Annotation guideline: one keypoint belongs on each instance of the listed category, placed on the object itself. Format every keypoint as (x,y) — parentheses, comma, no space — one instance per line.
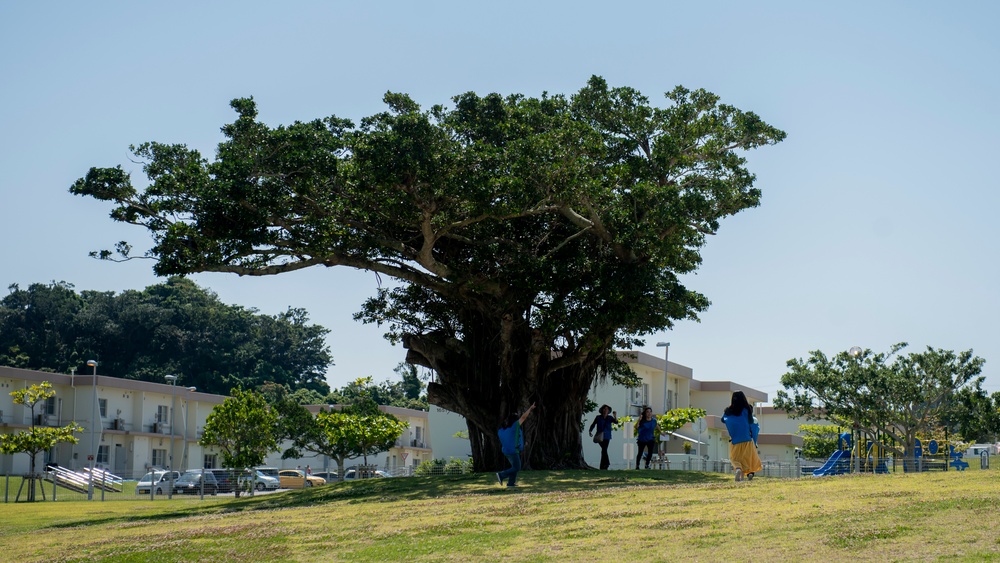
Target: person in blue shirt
(743,431)
(605,421)
(512,444)
(646,435)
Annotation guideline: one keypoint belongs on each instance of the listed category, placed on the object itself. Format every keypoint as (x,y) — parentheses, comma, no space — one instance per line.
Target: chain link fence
(62,484)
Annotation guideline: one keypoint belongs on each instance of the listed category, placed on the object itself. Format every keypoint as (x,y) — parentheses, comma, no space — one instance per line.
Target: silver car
(158,480)
(262,481)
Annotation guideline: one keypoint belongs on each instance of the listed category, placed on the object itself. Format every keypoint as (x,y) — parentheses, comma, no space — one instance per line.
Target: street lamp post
(666,377)
(187,405)
(173,418)
(855,352)
(76,413)
(93,432)
(666,366)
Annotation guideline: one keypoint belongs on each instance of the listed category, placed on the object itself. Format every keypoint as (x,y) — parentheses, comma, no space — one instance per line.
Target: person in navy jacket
(605,421)
(645,435)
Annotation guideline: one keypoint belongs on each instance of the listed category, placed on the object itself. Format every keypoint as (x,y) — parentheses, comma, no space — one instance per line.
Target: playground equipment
(934,457)
(860,452)
(848,456)
(840,462)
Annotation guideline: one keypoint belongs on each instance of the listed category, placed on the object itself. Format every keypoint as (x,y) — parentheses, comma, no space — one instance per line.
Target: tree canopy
(173,327)
(886,394)
(405,393)
(974,415)
(530,236)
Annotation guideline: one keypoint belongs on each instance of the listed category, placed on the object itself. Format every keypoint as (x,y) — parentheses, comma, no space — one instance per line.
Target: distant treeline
(174,327)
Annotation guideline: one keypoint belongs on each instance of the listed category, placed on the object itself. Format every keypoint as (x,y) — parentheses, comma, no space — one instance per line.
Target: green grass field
(555,516)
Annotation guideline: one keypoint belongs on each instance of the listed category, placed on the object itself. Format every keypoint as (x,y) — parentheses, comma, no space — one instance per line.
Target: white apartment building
(130,426)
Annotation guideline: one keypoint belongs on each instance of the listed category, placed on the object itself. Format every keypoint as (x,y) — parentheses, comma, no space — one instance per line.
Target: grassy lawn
(555,516)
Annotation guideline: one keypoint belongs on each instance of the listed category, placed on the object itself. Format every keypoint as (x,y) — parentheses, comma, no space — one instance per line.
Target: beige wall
(777,421)
(444,424)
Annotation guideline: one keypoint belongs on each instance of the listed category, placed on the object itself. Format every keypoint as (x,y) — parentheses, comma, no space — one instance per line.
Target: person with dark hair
(645,435)
(605,421)
(512,445)
(743,431)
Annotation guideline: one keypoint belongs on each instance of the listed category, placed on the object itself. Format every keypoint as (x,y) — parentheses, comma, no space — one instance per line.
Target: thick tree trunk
(501,369)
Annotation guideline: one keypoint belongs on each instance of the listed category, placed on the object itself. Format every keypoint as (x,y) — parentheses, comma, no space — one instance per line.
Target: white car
(263,481)
(351,474)
(160,480)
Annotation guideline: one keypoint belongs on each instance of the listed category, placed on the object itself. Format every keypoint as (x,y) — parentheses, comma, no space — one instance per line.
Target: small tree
(339,435)
(245,428)
(375,433)
(675,418)
(38,438)
(818,440)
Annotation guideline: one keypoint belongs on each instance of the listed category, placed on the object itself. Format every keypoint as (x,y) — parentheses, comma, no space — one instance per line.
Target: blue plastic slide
(833,466)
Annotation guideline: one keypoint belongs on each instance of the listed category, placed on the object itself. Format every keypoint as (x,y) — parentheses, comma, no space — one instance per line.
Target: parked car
(328,476)
(226,478)
(269,471)
(158,480)
(260,481)
(191,483)
(352,474)
(297,479)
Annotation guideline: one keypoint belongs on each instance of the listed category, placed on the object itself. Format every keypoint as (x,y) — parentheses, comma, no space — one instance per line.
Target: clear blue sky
(877,223)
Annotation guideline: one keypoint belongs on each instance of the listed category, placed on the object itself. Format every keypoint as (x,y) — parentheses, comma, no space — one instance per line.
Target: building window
(162,412)
(670,399)
(50,406)
(159,458)
(102,404)
(640,395)
(210,460)
(103,454)
(419,433)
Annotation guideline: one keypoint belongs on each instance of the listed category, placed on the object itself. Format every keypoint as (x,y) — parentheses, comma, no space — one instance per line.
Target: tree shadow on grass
(428,487)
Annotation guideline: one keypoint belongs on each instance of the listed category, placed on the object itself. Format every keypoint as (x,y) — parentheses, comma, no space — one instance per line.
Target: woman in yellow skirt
(743,432)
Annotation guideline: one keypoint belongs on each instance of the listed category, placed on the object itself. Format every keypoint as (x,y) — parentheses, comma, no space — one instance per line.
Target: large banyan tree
(530,237)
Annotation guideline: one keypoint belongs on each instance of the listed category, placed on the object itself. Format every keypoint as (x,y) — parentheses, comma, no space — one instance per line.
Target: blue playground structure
(841,461)
(935,458)
(847,457)
(956,459)
(836,465)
